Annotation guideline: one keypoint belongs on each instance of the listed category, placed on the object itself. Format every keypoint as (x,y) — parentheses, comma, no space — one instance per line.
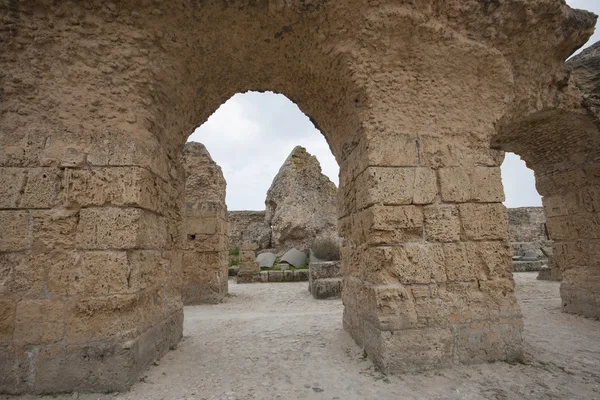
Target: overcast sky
(252,134)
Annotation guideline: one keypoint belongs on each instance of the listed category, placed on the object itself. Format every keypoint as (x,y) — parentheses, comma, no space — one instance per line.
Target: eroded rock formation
(301,203)
(204,228)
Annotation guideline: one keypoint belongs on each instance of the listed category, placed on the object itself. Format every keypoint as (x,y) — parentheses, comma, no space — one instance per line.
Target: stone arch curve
(100,98)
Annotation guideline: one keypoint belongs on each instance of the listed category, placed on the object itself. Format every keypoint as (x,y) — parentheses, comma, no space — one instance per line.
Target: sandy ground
(273,341)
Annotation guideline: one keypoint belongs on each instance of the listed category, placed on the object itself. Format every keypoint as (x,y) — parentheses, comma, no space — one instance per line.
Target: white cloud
(252,134)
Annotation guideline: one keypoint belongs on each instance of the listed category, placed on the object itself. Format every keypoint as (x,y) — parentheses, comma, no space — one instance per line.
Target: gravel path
(273,341)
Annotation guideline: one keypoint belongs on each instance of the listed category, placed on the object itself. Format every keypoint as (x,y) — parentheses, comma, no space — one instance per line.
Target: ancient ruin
(248,227)
(532,248)
(204,228)
(300,208)
(301,203)
(416,100)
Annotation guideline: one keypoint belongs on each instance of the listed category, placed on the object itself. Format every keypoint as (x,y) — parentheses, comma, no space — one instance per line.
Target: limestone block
(484,221)
(42,188)
(562,228)
(560,204)
(486,341)
(418,263)
(263,277)
(54,229)
(589,199)
(395,308)
(387,186)
(300,275)
(11,183)
(15,230)
(7,320)
(121,228)
(288,276)
(119,186)
(426,186)
(391,149)
(276,276)
(442,223)
(416,349)
(477,184)
(391,224)
(328,288)
(40,321)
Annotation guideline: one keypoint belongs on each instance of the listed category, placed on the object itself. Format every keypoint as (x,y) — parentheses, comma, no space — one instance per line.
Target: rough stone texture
(527,227)
(248,227)
(301,203)
(97,100)
(249,271)
(325,280)
(204,228)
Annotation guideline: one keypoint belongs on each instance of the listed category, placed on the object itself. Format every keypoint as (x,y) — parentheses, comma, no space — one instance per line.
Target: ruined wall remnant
(301,203)
(205,230)
(248,227)
(527,227)
(98,99)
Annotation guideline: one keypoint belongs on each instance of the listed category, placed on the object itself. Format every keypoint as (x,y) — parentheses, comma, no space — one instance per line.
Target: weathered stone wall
(248,227)
(204,228)
(527,227)
(98,98)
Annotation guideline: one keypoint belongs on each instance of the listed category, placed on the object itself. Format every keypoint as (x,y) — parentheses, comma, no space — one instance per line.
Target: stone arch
(101,97)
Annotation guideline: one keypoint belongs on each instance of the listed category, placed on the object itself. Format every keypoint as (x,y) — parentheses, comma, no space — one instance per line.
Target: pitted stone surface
(301,203)
(204,241)
(248,226)
(97,100)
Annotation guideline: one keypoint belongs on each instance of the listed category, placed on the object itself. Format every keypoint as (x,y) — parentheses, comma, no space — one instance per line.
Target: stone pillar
(572,204)
(426,258)
(249,268)
(204,229)
(89,210)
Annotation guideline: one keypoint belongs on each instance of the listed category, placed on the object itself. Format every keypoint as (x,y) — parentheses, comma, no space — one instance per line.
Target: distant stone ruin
(300,208)
(532,248)
(204,225)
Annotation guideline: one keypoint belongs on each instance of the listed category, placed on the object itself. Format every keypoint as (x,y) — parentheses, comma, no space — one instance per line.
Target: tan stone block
(121,228)
(442,223)
(40,321)
(16,234)
(570,254)
(120,186)
(202,225)
(484,221)
(52,229)
(7,320)
(11,185)
(562,228)
(589,199)
(391,224)
(116,317)
(42,189)
(387,186)
(560,204)
(392,150)
(426,187)
(561,182)
(417,349)
(459,266)
(455,184)
(491,260)
(94,273)
(419,263)
(486,185)
(395,308)
(587,225)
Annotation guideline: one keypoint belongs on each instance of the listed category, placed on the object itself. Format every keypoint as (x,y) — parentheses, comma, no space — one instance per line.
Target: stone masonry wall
(248,227)
(204,228)
(527,227)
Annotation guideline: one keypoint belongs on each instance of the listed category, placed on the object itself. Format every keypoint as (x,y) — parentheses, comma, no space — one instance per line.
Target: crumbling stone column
(426,258)
(572,204)
(89,210)
(204,229)
(249,268)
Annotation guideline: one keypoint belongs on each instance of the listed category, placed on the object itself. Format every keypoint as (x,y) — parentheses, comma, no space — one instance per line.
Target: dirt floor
(274,341)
